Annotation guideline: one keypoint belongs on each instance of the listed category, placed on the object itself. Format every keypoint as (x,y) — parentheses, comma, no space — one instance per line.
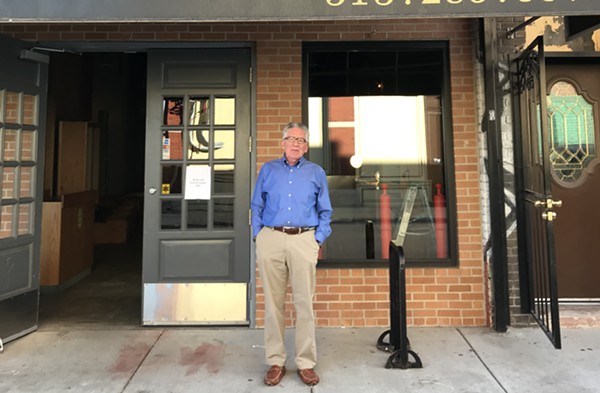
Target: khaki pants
(281,256)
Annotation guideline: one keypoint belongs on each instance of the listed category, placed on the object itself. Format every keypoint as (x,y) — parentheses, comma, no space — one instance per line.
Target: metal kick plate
(195,304)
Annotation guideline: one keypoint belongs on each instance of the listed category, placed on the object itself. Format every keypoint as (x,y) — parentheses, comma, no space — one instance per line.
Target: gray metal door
(538,215)
(196,255)
(23,81)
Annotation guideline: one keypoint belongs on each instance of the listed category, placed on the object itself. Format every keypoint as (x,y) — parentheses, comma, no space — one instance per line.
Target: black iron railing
(398,343)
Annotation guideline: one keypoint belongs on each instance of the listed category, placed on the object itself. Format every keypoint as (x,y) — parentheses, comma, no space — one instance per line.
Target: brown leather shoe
(309,376)
(274,375)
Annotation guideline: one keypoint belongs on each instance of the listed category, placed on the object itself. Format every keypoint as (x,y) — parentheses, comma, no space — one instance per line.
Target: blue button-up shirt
(292,196)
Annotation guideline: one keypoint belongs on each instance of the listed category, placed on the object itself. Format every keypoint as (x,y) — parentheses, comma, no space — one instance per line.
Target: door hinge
(1,346)
(249,217)
(249,144)
(250,76)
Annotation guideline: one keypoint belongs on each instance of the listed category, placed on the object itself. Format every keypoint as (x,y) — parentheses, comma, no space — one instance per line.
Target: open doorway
(93,190)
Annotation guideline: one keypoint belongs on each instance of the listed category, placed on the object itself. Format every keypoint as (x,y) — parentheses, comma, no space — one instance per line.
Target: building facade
(398,106)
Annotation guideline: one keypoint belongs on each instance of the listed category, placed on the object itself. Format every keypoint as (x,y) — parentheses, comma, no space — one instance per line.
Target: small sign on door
(197,182)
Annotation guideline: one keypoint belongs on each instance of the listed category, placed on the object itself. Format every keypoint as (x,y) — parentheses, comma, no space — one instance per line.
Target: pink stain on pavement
(206,355)
(130,357)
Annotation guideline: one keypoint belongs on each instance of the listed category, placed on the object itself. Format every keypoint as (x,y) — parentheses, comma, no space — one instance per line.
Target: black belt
(293,230)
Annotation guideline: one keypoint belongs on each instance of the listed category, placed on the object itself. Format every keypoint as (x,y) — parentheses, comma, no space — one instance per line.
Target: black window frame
(309,47)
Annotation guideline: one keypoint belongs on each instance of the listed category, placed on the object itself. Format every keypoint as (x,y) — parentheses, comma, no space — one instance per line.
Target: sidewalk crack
(481,360)
(142,361)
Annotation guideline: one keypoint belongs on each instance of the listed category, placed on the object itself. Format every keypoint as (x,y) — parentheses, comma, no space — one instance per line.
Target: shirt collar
(298,164)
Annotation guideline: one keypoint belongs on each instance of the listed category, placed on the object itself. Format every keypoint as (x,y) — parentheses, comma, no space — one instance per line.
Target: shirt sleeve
(324,209)
(258,203)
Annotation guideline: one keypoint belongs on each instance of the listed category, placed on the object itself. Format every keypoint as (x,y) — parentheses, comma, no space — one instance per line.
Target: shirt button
(289,208)
(290,182)
(290,195)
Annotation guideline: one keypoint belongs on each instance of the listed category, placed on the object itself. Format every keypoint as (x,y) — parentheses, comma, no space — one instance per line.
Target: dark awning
(266,10)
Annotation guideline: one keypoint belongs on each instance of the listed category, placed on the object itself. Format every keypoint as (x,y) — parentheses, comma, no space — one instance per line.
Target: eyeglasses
(293,139)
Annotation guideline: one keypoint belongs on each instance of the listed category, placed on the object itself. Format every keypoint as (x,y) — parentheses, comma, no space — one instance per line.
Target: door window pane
(224,179)
(29,110)
(6,221)
(26,182)
(199,144)
(9,145)
(28,145)
(172,145)
(11,107)
(25,214)
(199,111)
(173,111)
(224,111)
(197,214)
(223,213)
(170,214)
(224,145)
(171,179)
(8,182)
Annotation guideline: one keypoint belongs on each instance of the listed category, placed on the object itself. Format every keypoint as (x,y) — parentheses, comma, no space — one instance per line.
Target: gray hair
(295,124)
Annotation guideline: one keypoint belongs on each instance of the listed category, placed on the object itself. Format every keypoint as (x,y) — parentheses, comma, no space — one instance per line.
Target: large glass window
(378,120)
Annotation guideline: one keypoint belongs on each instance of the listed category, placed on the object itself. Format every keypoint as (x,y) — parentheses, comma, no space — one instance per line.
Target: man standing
(291,215)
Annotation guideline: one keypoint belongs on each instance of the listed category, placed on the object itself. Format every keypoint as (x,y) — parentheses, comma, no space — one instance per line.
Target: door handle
(152,190)
(549,216)
(548,203)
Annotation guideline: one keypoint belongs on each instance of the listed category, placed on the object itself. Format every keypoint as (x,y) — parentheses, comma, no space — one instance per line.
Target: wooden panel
(73,158)
(67,247)
(50,245)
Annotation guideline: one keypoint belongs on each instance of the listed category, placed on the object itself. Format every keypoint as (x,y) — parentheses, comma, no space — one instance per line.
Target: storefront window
(377,127)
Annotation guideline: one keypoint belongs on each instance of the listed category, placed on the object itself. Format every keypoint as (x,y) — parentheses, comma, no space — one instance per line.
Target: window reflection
(383,157)
(29,109)
(11,107)
(173,111)
(6,218)
(223,213)
(199,144)
(224,111)
(197,214)
(224,179)
(8,182)
(9,145)
(199,111)
(224,145)
(28,145)
(25,214)
(26,182)
(170,214)
(171,179)
(172,145)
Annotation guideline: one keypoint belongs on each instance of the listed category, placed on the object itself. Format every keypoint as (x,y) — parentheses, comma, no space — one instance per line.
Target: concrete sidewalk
(161,360)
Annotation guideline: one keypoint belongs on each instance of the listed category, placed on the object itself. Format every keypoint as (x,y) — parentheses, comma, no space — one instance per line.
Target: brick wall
(345,297)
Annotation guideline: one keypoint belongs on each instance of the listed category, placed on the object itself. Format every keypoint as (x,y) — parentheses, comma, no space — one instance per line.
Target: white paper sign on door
(197,182)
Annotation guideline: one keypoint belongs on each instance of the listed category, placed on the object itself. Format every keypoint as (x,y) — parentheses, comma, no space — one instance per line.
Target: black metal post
(370,239)
(398,339)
